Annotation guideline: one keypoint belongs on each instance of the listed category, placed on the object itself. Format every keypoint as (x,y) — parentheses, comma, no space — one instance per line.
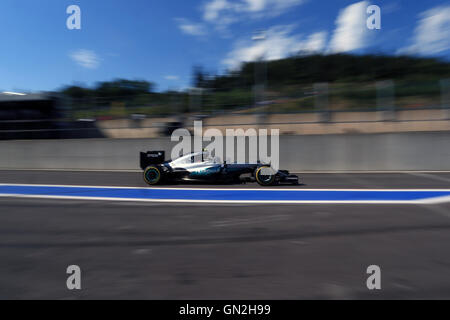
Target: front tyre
(152,175)
(265,176)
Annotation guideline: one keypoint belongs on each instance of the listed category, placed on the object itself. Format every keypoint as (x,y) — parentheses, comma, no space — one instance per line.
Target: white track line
(429,176)
(435,200)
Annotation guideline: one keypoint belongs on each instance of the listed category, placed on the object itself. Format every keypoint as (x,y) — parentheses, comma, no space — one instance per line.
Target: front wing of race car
(285,177)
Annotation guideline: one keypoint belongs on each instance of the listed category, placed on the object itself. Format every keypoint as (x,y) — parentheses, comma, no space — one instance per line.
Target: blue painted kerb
(222,194)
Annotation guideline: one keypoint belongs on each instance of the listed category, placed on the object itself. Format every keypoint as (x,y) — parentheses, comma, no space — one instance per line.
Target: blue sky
(160,41)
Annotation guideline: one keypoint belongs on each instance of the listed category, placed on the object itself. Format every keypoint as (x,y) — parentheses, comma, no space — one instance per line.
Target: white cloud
(214,8)
(432,34)
(351,30)
(282,5)
(279,43)
(316,42)
(270,6)
(220,14)
(190,28)
(171,77)
(256,5)
(86,58)
(225,12)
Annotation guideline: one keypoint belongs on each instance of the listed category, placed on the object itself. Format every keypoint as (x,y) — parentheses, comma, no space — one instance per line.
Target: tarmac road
(192,251)
(406,180)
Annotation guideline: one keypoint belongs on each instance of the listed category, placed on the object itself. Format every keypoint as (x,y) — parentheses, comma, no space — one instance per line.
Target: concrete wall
(347,152)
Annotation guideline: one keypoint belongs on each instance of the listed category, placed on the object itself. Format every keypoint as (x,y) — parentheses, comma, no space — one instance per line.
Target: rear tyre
(152,175)
(265,176)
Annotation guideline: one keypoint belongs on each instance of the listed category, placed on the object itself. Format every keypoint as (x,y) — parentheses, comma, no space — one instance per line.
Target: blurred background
(313,94)
(287,64)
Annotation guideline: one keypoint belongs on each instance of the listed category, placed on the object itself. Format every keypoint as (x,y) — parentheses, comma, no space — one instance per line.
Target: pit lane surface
(407,180)
(241,251)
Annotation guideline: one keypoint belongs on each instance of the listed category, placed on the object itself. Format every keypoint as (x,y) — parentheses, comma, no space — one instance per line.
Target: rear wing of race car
(151,157)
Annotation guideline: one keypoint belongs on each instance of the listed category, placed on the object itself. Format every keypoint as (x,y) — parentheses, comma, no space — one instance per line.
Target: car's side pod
(151,157)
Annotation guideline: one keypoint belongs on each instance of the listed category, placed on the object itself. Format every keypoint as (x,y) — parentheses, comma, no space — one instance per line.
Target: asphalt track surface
(130,250)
